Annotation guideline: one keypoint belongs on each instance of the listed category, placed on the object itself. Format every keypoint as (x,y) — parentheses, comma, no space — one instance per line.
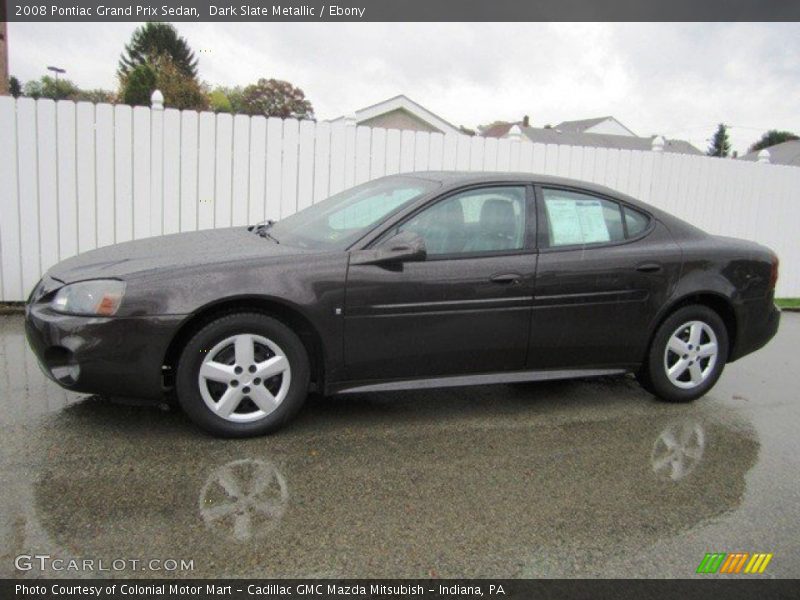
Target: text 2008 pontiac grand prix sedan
(419,280)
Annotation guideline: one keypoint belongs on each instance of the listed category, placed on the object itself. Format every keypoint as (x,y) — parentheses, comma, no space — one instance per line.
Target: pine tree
(153,40)
(179,90)
(720,143)
(138,85)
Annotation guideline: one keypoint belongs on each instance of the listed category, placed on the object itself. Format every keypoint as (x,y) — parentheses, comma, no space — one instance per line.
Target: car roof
(458,177)
(455,178)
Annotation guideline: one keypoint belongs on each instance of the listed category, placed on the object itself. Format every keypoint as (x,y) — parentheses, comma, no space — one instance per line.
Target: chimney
(526,121)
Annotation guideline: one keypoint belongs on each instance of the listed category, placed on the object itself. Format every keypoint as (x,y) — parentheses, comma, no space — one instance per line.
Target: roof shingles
(785,153)
(555,135)
(581,125)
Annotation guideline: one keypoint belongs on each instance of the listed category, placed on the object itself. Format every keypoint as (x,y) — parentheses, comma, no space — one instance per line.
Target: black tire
(653,375)
(188,387)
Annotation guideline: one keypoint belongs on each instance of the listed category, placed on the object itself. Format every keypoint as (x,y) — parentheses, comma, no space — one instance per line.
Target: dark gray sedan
(409,281)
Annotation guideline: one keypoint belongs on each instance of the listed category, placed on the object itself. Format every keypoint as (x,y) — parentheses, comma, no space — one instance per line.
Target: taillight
(773,276)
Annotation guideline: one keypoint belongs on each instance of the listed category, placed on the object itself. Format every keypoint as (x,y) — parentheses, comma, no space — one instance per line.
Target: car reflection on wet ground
(561,479)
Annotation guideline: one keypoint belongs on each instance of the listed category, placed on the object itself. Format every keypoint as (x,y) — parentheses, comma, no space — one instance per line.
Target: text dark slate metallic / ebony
(409,281)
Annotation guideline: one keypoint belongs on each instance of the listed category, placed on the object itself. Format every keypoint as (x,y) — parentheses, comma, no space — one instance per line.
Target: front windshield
(338,221)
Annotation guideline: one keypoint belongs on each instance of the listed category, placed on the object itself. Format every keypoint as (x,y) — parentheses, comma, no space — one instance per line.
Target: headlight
(96,297)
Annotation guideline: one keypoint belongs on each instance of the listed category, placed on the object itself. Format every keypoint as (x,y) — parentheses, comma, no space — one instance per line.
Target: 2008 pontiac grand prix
(418,280)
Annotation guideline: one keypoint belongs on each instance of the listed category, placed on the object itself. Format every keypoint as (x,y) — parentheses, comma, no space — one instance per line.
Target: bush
(138,85)
(275,98)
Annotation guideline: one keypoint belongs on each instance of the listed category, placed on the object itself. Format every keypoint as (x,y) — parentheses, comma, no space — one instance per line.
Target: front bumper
(114,356)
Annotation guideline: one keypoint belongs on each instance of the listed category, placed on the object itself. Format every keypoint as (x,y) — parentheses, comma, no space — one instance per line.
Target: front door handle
(507,278)
(649,268)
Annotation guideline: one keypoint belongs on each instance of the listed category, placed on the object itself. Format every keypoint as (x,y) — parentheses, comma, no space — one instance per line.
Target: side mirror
(406,246)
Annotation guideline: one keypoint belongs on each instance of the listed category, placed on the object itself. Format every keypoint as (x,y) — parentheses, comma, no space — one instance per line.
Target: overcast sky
(678,80)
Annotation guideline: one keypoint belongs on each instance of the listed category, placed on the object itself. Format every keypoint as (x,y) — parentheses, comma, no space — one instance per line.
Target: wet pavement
(562,479)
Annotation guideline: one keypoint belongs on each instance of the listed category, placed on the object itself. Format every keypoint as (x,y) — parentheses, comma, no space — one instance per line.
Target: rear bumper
(99,355)
(757,326)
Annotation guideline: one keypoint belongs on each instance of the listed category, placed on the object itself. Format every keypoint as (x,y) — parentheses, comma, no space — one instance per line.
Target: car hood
(129,259)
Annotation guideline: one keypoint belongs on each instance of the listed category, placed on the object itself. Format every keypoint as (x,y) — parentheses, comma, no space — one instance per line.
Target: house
(598,125)
(786,153)
(602,132)
(400,112)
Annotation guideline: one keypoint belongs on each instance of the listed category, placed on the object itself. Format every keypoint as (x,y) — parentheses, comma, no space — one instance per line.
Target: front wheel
(242,375)
(687,356)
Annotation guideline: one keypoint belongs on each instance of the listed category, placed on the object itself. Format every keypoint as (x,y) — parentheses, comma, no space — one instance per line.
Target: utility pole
(3,50)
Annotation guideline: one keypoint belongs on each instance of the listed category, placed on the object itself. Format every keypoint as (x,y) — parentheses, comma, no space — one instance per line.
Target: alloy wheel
(244,378)
(691,354)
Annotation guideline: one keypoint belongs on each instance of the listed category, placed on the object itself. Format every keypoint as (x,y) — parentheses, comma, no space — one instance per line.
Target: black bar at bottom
(454,589)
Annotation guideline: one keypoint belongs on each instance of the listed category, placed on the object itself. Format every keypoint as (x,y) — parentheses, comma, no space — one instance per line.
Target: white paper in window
(564,222)
(593,223)
(576,221)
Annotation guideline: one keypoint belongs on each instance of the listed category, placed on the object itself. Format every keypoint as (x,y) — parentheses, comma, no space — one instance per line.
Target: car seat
(444,233)
(498,227)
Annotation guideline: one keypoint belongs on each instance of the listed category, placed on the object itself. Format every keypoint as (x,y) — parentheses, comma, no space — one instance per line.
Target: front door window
(476,221)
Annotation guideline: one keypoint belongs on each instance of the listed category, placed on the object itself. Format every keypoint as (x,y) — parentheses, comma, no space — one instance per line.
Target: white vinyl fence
(77,176)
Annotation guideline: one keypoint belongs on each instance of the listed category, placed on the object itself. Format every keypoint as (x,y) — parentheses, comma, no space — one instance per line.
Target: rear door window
(635,221)
(575,219)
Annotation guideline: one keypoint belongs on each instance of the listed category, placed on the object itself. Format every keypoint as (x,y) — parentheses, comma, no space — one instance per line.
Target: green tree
(236,98)
(153,40)
(63,89)
(218,100)
(14,87)
(720,143)
(49,87)
(137,86)
(179,90)
(275,98)
(772,137)
(227,99)
(97,96)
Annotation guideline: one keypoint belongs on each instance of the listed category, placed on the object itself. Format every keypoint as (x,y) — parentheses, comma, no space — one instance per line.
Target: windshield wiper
(262,230)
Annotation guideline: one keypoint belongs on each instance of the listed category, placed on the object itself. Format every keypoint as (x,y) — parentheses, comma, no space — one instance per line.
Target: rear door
(605,268)
(465,309)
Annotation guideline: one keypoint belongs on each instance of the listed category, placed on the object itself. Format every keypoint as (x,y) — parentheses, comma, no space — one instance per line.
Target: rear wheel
(687,356)
(242,375)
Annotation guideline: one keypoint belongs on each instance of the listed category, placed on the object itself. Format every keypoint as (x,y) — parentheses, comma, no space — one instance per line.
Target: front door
(465,309)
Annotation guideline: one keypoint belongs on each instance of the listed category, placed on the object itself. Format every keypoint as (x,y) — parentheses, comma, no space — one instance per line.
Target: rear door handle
(649,268)
(507,278)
